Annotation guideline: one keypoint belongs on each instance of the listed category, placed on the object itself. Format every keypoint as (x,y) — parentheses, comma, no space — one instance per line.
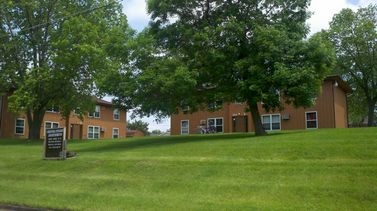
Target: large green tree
(53,52)
(354,35)
(205,51)
(139,125)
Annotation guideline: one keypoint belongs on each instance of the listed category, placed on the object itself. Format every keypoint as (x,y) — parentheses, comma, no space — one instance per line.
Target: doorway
(76,131)
(240,124)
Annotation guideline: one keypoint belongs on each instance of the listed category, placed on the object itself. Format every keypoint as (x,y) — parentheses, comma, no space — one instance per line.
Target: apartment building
(329,111)
(105,122)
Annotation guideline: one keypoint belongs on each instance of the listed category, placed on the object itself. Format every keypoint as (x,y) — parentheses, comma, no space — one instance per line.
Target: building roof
(341,83)
(103,102)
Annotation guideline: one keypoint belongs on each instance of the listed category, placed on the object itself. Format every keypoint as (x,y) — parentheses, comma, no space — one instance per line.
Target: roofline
(103,102)
(341,83)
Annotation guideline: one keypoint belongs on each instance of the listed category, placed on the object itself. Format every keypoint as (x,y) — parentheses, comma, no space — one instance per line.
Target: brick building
(329,111)
(105,122)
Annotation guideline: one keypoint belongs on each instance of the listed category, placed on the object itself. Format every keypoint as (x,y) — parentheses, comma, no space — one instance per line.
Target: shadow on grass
(161,141)
(10,142)
(145,142)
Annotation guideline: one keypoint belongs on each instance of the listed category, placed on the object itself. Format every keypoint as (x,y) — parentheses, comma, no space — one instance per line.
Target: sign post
(55,144)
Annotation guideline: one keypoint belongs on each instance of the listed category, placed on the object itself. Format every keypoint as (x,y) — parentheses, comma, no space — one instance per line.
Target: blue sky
(354,2)
(323,11)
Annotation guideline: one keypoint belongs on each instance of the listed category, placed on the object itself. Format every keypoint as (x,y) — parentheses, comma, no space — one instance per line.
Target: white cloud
(136,13)
(364,3)
(323,11)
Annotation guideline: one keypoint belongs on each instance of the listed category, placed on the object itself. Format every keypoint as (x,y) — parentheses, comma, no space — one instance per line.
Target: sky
(323,11)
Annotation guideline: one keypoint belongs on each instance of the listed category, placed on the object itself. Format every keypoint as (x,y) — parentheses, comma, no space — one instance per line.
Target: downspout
(347,114)
(333,100)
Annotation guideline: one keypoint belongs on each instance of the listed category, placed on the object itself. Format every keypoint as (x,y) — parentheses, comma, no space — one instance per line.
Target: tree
(54,52)
(211,51)
(138,125)
(354,35)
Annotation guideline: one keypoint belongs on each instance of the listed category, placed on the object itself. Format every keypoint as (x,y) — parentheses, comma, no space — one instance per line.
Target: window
(116,114)
(96,113)
(215,125)
(20,126)
(49,125)
(216,105)
(115,132)
(93,132)
(53,109)
(311,119)
(77,111)
(185,127)
(271,122)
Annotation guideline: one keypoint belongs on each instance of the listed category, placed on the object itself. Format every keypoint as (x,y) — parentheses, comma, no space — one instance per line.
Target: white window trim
(99,131)
(114,112)
(306,119)
(52,123)
(23,127)
(114,133)
(270,116)
(215,118)
(92,115)
(52,109)
(188,127)
(44,126)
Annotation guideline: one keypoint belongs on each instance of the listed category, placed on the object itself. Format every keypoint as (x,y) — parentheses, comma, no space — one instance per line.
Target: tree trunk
(35,122)
(67,128)
(371,107)
(258,127)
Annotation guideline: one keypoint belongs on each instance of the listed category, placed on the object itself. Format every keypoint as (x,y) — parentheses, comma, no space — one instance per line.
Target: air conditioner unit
(285,117)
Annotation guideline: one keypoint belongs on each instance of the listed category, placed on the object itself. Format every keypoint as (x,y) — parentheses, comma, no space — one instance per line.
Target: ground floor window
(185,126)
(271,122)
(216,125)
(49,125)
(311,120)
(20,126)
(115,132)
(93,132)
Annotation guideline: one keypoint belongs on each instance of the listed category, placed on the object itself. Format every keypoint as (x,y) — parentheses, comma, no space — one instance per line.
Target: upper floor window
(20,126)
(53,109)
(215,105)
(271,122)
(311,119)
(116,114)
(77,111)
(96,113)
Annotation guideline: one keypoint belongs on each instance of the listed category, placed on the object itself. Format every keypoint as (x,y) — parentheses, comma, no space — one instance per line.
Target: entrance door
(239,124)
(76,131)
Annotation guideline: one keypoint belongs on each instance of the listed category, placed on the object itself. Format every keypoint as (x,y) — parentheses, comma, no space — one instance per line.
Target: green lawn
(300,170)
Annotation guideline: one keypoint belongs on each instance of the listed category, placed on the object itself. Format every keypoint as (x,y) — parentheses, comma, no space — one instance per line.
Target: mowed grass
(300,170)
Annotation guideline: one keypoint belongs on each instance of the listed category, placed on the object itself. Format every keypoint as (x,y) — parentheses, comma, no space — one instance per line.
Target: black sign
(54,145)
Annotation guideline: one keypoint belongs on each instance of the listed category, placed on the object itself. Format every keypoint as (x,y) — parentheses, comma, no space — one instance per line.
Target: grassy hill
(299,170)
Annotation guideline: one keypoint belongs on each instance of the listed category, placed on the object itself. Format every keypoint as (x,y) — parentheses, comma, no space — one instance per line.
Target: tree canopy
(55,53)
(354,35)
(209,51)
(139,125)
